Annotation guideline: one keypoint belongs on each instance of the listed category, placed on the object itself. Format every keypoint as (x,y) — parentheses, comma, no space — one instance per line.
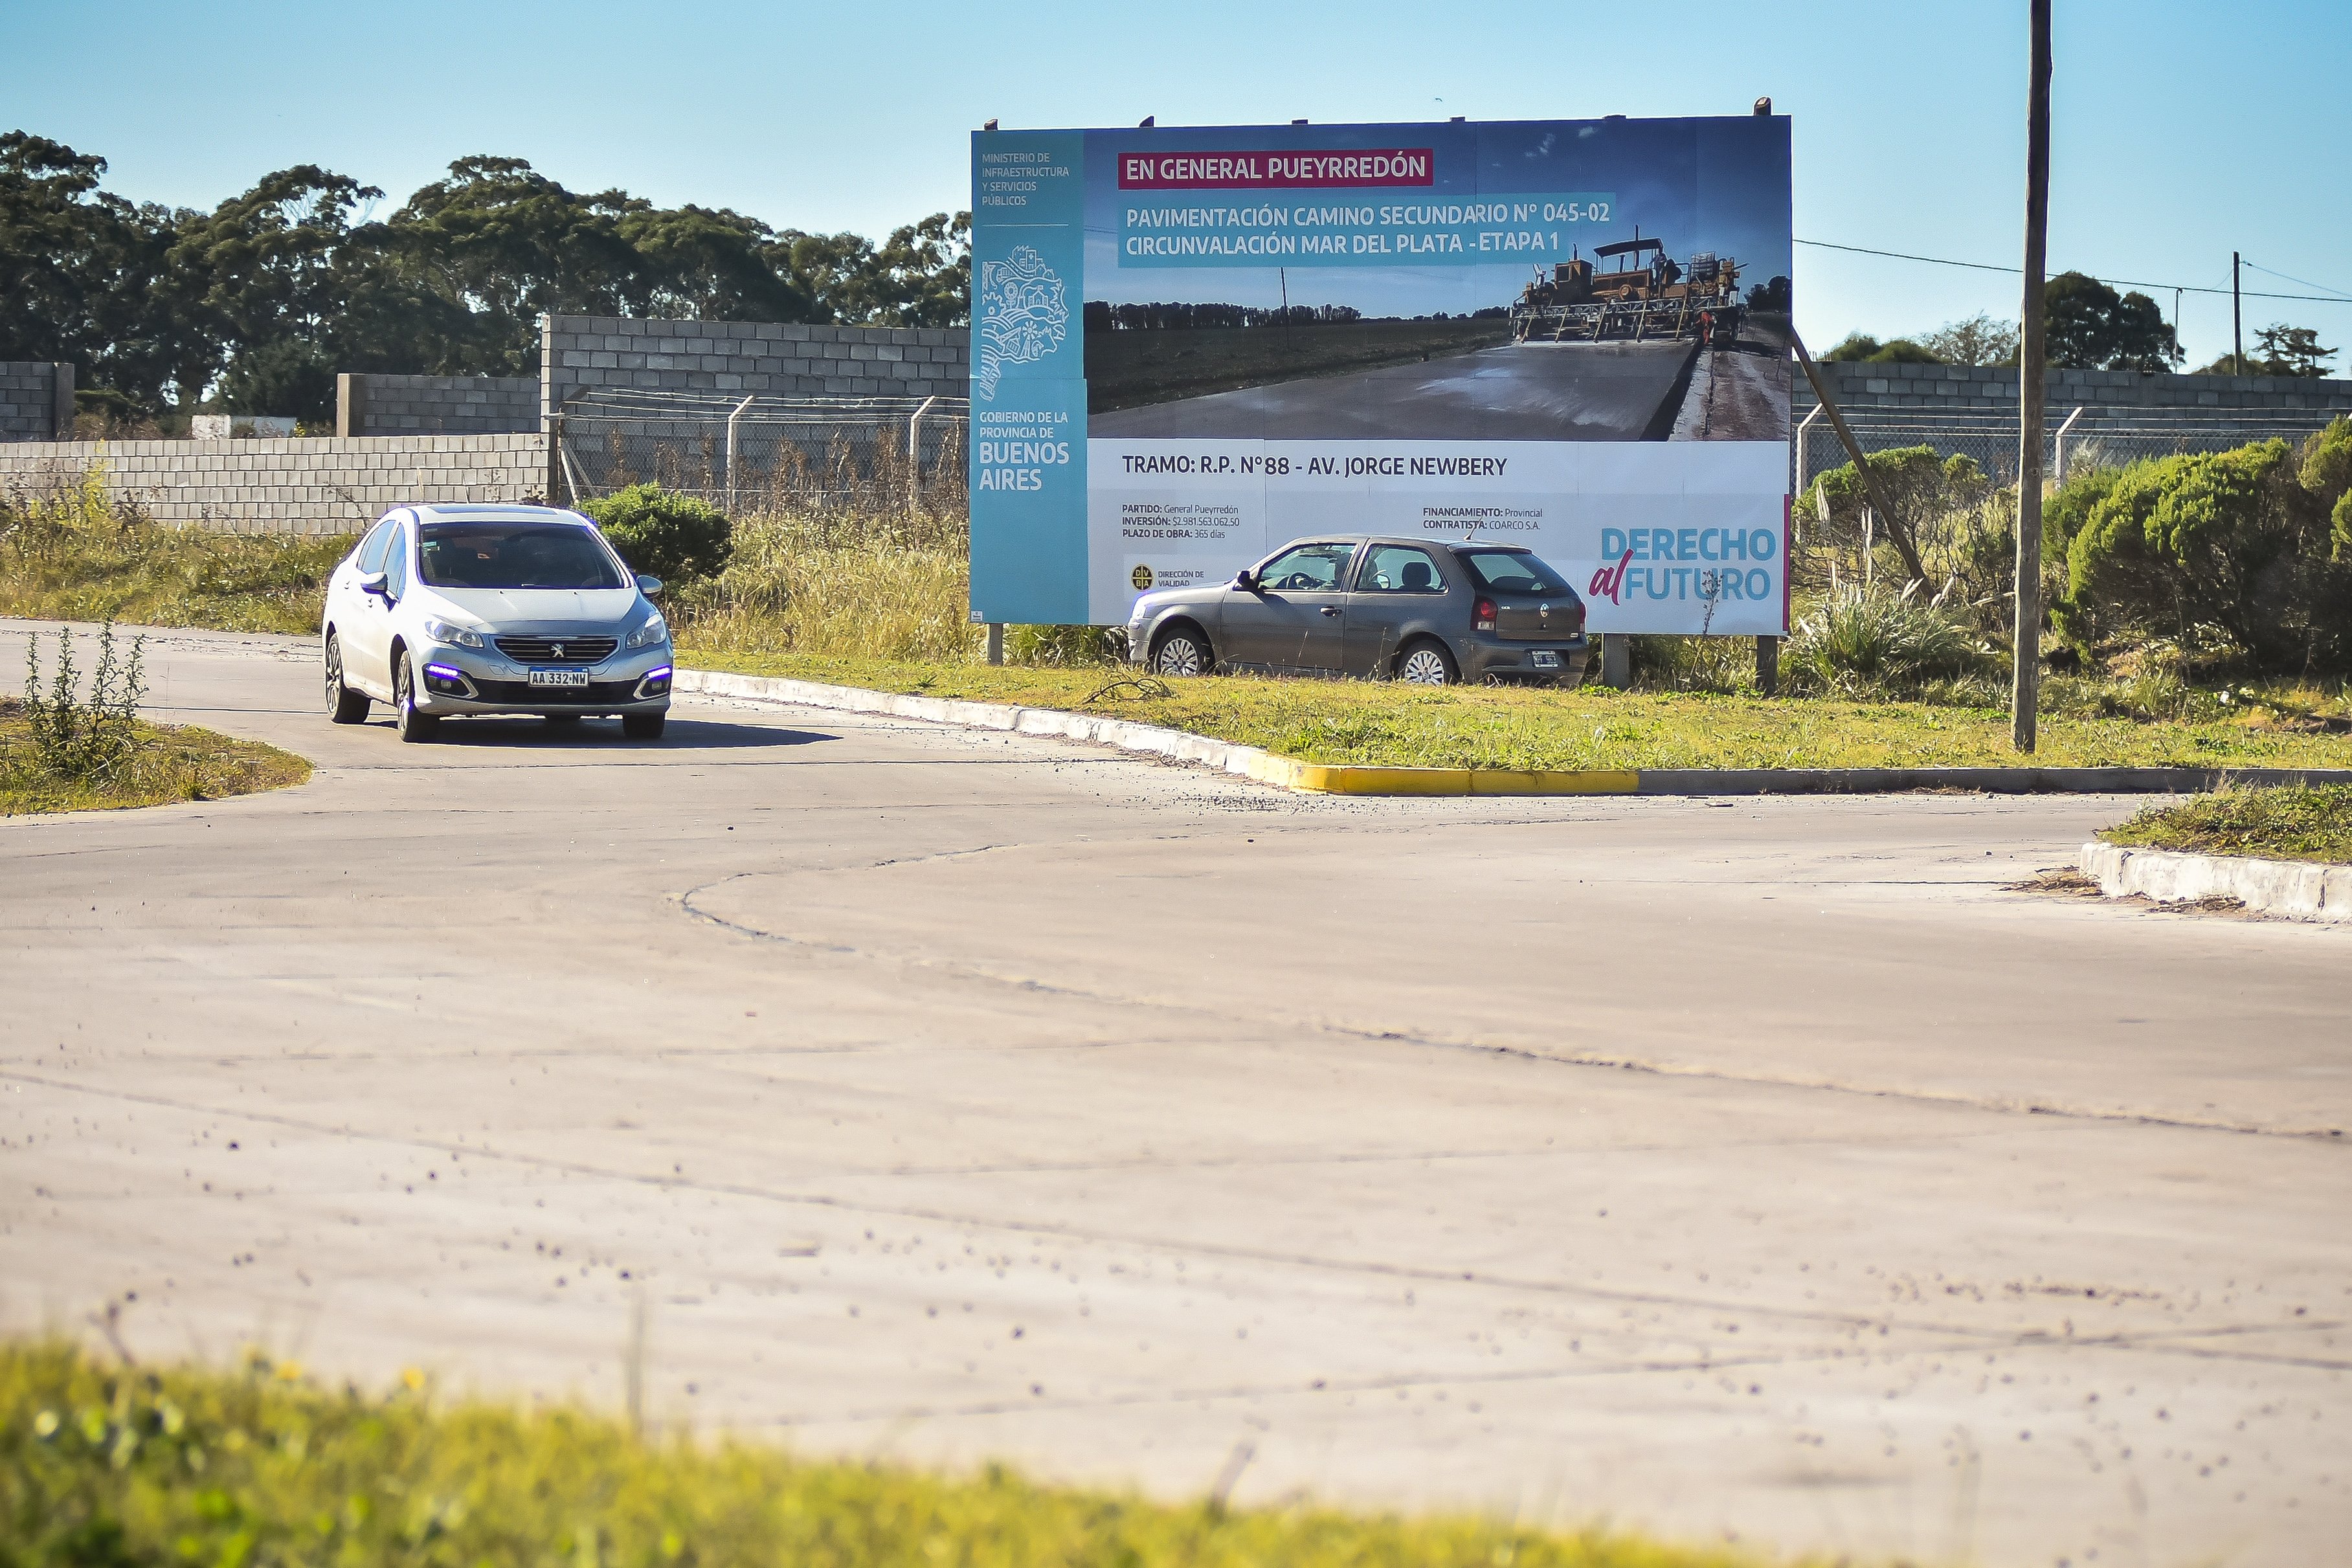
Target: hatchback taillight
(1482,613)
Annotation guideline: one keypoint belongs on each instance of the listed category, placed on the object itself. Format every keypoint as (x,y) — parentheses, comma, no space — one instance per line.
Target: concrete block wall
(308,484)
(579,352)
(374,405)
(37,400)
(1978,389)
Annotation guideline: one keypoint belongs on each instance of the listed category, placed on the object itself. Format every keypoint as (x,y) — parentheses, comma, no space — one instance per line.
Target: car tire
(644,726)
(1182,652)
(1427,663)
(414,727)
(345,706)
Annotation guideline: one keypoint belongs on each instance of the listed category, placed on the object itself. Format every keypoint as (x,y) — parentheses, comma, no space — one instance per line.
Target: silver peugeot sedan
(1354,604)
(449,610)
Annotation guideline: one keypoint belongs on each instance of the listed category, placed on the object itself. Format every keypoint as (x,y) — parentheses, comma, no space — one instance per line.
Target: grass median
(163,764)
(119,1467)
(1388,725)
(2265,823)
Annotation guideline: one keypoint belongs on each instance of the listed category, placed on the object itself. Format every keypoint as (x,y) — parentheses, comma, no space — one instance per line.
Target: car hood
(542,610)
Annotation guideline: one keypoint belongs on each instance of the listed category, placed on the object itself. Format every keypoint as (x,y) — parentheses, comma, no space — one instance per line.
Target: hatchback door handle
(1330,610)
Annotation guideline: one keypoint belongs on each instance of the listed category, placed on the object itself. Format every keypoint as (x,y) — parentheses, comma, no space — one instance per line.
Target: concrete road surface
(1765,1170)
(1519,391)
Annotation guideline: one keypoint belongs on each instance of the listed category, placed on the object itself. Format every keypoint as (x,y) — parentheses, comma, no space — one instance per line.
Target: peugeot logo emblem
(559,651)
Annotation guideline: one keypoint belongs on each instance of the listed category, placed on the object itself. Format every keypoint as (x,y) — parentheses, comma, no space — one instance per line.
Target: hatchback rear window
(1511,571)
(514,555)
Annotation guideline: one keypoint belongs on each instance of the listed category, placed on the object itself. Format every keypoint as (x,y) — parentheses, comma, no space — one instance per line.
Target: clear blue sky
(2184,127)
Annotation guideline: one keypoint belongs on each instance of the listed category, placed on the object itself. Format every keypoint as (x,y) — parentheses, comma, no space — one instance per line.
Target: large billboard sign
(1191,346)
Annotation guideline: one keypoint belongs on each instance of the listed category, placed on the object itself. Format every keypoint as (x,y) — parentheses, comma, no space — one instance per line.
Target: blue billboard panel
(1571,334)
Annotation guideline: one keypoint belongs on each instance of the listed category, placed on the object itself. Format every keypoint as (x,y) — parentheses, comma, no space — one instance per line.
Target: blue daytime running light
(661,674)
(445,672)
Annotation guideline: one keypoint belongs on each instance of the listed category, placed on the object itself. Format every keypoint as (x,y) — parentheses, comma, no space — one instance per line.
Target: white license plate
(1543,659)
(559,678)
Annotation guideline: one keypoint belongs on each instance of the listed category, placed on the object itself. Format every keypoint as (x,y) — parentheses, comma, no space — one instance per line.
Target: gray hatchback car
(1402,609)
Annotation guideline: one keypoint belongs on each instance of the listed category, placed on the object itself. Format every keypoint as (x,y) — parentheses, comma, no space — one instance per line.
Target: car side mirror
(1245,580)
(377,584)
(649,586)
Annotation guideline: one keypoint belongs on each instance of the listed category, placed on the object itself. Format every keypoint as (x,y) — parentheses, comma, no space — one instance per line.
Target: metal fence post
(1804,428)
(2059,464)
(730,452)
(915,455)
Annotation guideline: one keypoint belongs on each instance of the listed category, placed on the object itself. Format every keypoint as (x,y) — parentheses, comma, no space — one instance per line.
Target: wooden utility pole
(2026,693)
(2237,332)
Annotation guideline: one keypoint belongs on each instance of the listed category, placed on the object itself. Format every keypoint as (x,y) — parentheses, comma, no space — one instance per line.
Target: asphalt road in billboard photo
(1534,391)
(1767,1168)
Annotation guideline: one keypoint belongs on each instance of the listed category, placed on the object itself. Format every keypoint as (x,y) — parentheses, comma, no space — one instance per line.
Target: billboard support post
(1900,536)
(996,642)
(1767,666)
(2032,393)
(1616,659)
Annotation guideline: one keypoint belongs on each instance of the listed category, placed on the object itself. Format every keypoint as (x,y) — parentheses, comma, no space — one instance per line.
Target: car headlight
(654,632)
(455,636)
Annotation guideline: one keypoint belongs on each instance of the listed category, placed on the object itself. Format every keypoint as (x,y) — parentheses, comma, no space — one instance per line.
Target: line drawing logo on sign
(1024,313)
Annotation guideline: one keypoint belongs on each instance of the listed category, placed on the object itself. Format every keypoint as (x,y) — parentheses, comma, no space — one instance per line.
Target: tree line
(256,304)
(2090,326)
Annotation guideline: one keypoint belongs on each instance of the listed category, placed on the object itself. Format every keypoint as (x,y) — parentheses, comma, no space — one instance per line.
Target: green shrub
(675,537)
(2231,540)
(1861,644)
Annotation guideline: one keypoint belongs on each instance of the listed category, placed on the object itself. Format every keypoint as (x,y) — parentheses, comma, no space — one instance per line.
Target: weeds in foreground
(85,739)
(121,1467)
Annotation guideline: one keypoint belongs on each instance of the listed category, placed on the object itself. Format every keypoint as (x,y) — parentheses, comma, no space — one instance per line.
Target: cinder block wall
(308,484)
(1977,389)
(578,352)
(35,400)
(440,405)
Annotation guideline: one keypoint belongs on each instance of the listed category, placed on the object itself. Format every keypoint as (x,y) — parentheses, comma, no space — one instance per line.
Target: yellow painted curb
(1346,779)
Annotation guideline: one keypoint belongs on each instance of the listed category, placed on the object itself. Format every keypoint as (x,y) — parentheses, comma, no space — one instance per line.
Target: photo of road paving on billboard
(1571,334)
(1502,282)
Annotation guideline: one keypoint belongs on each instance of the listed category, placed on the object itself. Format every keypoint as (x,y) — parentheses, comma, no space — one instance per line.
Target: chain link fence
(883,457)
(2088,437)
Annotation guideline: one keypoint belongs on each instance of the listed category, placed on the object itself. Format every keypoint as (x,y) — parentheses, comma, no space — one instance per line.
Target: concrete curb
(2297,890)
(1319,778)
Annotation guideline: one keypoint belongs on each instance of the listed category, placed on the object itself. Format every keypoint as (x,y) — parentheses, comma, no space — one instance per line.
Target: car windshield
(514,555)
(1511,571)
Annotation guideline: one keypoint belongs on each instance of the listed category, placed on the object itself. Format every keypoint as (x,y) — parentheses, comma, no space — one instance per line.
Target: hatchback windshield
(1511,571)
(514,555)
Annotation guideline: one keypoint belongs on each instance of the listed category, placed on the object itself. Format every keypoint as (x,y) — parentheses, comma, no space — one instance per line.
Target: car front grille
(595,694)
(558,650)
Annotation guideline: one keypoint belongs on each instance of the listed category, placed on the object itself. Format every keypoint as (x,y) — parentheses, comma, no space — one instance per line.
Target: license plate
(559,678)
(1543,659)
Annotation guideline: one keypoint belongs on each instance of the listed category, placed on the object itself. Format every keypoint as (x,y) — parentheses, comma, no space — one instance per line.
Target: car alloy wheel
(345,706)
(414,726)
(1425,666)
(1180,653)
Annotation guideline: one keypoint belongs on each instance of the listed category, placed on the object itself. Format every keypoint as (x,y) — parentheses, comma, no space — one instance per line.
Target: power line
(2292,278)
(2115,282)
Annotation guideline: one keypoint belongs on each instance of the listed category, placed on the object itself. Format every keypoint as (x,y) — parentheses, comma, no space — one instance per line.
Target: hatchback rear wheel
(1427,663)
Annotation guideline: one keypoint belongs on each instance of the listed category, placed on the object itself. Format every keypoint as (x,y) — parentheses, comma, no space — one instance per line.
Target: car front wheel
(345,706)
(1181,653)
(1427,664)
(414,726)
